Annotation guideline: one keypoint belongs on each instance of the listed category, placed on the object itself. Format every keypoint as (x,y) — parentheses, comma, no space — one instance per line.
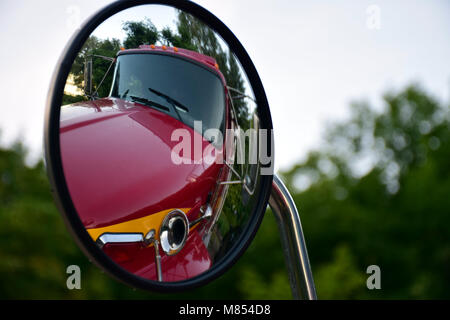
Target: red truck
(151,216)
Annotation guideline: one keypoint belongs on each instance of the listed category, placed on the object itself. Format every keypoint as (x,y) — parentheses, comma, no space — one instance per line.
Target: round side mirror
(163,166)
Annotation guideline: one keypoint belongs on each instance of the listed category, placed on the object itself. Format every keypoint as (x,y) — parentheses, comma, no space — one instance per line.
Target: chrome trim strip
(119,238)
(231,182)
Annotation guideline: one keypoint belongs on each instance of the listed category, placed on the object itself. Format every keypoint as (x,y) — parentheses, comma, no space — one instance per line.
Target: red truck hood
(117,162)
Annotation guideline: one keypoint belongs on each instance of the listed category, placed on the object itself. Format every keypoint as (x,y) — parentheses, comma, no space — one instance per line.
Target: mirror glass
(159,139)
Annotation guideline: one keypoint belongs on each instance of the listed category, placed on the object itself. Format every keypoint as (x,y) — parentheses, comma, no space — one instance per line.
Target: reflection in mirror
(159,143)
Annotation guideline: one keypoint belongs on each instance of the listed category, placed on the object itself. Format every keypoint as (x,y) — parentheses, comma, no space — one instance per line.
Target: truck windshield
(183,89)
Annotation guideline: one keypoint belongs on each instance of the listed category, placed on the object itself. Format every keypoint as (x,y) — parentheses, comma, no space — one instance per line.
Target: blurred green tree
(379,187)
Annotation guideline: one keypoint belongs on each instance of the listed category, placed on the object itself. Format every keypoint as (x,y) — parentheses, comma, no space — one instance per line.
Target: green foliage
(341,278)
(394,213)
(139,32)
(95,46)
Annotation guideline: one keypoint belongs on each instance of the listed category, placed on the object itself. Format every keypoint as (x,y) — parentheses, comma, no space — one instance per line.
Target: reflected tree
(194,35)
(139,33)
(96,46)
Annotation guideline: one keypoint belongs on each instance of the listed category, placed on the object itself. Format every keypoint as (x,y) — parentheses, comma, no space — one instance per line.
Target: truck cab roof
(205,60)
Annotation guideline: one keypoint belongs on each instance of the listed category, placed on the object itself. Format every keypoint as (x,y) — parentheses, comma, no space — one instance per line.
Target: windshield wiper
(149,103)
(123,95)
(172,101)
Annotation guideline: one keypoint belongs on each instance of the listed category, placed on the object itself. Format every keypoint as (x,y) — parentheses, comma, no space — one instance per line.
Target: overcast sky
(313,57)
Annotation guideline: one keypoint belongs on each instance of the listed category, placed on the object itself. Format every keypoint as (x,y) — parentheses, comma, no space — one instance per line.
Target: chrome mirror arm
(292,241)
(151,239)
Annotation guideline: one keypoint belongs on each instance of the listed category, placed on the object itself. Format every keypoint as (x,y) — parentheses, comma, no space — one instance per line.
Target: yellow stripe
(140,225)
